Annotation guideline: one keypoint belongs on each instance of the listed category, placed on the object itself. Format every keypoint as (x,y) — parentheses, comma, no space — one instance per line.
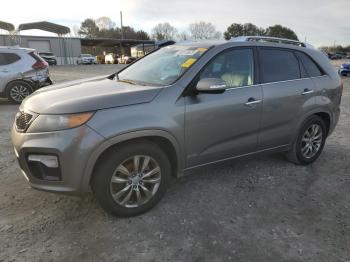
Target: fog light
(47,160)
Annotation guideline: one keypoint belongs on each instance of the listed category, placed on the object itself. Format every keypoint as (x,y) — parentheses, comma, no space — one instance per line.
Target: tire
(298,154)
(124,156)
(17,90)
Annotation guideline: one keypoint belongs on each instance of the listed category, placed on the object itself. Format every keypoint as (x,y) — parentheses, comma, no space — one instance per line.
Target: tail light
(39,62)
(40,65)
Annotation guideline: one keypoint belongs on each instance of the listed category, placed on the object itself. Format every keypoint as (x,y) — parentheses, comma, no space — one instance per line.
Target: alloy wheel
(135,181)
(311,141)
(19,92)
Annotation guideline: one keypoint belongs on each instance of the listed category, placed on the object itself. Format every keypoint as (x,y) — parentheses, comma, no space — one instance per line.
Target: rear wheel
(310,141)
(132,179)
(18,90)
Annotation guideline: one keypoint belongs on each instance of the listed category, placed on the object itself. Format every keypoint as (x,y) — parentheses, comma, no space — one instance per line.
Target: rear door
(287,96)
(7,68)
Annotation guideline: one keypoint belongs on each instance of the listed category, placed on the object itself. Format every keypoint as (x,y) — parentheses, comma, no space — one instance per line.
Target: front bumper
(88,62)
(72,147)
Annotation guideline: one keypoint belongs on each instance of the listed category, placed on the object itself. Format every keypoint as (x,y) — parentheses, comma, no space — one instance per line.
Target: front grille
(23,121)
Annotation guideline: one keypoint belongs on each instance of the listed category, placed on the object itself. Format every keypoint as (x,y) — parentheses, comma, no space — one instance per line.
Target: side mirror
(211,85)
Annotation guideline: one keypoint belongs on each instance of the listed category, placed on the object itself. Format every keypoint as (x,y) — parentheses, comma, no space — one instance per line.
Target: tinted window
(310,67)
(278,65)
(8,58)
(235,67)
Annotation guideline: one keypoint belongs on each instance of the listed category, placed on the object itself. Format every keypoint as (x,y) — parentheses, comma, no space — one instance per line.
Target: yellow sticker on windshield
(188,62)
(202,49)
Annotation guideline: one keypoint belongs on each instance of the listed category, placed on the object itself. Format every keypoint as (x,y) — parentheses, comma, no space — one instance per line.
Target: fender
(308,114)
(85,182)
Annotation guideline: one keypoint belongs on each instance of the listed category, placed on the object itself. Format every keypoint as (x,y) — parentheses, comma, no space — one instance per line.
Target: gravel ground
(256,209)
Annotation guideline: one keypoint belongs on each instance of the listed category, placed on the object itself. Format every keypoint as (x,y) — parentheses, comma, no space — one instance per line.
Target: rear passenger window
(278,65)
(8,58)
(310,67)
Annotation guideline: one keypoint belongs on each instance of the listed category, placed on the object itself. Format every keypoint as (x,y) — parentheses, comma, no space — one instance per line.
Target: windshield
(163,67)
(86,55)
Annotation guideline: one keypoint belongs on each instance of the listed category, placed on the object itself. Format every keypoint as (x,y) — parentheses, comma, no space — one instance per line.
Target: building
(68,49)
(65,49)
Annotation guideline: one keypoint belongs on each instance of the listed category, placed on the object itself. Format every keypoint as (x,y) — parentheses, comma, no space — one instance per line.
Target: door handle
(5,71)
(252,101)
(307,91)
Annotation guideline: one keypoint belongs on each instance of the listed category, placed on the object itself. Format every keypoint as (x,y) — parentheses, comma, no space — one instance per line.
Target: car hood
(87,95)
(346,65)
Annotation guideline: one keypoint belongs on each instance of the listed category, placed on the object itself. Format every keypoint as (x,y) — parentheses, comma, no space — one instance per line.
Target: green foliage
(249,29)
(281,31)
(88,28)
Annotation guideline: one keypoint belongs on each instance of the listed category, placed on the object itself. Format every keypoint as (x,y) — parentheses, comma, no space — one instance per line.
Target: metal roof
(113,42)
(45,26)
(7,26)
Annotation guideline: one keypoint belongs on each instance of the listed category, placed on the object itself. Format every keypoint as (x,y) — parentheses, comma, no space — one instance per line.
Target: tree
(105,23)
(281,31)
(183,36)
(164,31)
(88,28)
(142,35)
(203,30)
(248,29)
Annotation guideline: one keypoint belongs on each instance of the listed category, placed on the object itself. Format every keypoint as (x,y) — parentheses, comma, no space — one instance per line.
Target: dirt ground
(256,209)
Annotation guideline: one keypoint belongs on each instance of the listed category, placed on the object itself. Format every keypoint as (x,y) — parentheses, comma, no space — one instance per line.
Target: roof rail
(270,39)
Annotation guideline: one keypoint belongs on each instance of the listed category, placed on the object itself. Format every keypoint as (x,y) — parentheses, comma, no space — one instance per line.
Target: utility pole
(122,33)
(121,24)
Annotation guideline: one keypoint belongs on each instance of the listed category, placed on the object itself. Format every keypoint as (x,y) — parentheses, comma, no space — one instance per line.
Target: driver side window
(234,67)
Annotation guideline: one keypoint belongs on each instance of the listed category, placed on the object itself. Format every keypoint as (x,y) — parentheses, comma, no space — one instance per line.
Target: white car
(22,71)
(84,59)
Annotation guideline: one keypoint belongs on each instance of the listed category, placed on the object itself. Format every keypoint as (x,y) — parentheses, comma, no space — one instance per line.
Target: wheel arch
(324,114)
(162,138)
(326,118)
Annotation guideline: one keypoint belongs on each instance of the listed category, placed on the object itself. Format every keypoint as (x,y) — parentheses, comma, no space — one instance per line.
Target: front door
(221,126)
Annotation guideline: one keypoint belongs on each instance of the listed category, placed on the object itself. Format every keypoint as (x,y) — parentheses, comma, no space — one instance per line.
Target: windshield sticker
(188,62)
(186,52)
(202,49)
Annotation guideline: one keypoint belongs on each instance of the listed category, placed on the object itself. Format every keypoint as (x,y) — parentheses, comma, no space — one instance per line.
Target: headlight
(46,123)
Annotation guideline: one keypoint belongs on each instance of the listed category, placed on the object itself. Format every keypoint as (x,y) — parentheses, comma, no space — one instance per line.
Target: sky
(319,22)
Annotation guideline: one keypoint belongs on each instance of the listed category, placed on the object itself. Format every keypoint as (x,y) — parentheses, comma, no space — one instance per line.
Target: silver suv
(175,110)
(22,71)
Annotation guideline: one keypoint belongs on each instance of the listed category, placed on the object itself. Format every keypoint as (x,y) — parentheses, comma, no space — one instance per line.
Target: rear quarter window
(310,67)
(8,58)
(278,65)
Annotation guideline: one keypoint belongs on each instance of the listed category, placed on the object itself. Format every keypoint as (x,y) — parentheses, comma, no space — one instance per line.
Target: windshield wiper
(127,81)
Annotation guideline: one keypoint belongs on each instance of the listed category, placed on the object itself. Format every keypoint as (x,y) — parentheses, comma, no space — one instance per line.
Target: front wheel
(131,179)
(310,141)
